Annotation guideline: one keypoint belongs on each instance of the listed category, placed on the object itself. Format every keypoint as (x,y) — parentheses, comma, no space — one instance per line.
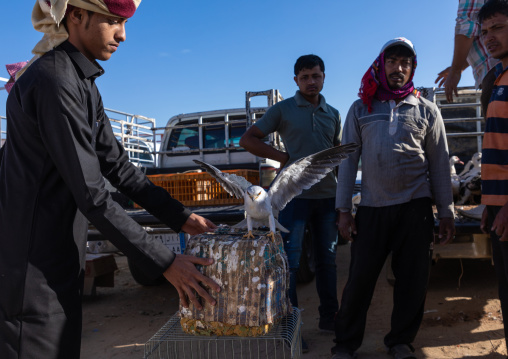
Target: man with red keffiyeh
(404,158)
(59,148)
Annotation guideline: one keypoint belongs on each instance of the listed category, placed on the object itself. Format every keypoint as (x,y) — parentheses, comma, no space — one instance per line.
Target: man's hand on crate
(185,277)
(196,225)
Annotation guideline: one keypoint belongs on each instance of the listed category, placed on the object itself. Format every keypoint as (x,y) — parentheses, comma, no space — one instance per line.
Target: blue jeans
(320,217)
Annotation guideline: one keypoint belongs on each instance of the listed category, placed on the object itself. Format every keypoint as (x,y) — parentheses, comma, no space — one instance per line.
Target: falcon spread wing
(233,184)
(306,172)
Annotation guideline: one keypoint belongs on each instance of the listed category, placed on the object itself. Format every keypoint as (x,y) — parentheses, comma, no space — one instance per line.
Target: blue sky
(189,56)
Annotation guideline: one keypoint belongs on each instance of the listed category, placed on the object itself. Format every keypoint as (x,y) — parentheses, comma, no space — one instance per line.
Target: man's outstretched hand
(196,225)
(186,278)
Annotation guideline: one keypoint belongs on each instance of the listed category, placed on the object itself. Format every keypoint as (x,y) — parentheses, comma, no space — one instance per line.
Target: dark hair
(491,8)
(399,51)
(308,62)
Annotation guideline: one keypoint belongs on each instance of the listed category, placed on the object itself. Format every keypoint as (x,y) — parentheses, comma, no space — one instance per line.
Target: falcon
(260,204)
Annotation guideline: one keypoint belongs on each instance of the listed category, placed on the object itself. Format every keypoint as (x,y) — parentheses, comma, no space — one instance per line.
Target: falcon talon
(249,235)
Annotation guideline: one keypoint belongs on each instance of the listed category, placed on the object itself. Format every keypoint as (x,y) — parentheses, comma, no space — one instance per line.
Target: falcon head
(256,193)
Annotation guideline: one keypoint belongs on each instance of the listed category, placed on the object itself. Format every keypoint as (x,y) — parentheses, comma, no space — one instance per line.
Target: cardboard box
(99,272)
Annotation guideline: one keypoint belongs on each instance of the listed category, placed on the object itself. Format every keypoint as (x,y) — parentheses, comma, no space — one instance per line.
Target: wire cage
(283,341)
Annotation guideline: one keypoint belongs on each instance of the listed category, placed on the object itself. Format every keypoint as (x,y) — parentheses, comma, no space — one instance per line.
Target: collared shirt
(404,155)
(59,146)
(495,149)
(467,24)
(305,130)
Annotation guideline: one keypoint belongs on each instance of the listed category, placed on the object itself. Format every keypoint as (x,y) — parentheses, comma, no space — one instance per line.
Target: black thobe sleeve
(66,130)
(127,178)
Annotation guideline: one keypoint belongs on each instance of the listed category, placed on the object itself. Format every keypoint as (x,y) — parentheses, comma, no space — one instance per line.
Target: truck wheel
(306,271)
(140,277)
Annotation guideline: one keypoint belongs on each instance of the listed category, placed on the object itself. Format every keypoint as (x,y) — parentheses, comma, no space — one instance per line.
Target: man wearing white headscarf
(59,147)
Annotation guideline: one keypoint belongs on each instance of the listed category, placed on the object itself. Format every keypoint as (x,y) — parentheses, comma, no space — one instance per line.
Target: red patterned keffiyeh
(12,69)
(374,84)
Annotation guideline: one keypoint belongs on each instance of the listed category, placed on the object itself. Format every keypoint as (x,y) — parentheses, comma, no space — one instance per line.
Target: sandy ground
(462,318)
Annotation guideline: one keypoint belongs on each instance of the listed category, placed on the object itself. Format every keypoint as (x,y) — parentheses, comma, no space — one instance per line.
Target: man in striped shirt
(493,18)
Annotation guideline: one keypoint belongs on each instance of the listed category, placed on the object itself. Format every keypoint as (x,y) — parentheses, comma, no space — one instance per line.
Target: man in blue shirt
(307,124)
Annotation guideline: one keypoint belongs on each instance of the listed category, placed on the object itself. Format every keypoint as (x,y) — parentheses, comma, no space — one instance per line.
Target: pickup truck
(166,155)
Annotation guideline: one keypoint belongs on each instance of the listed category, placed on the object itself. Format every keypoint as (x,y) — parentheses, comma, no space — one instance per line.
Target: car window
(214,136)
(184,137)
(236,130)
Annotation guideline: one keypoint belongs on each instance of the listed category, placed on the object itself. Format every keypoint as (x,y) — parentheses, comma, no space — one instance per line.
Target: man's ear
(75,15)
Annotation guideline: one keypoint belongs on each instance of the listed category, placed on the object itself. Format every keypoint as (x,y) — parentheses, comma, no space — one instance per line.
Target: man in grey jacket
(404,166)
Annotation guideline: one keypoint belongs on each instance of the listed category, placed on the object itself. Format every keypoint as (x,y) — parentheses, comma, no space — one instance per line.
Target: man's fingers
(198,260)
(210,283)
(442,76)
(211,226)
(345,234)
(183,298)
(203,293)
(192,297)
(449,94)
(441,80)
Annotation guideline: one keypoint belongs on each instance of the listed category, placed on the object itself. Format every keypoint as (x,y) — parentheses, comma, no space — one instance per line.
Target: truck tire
(306,271)
(140,277)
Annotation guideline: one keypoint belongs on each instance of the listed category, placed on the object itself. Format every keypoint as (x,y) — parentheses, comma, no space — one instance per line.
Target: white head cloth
(47,16)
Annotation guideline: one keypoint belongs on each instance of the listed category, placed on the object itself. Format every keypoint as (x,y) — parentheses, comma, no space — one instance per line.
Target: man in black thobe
(59,146)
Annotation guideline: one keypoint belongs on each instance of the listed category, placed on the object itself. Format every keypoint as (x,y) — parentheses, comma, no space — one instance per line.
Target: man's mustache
(397,74)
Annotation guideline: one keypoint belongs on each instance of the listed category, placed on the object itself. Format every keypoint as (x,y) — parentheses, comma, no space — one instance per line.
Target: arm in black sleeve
(127,178)
(65,122)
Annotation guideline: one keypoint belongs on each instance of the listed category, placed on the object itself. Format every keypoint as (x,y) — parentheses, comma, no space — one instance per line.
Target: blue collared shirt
(305,130)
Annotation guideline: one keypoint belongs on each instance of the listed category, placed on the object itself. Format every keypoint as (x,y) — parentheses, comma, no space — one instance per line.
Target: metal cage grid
(283,341)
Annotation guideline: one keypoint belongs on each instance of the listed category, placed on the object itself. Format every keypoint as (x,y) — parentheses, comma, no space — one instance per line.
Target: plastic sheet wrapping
(254,279)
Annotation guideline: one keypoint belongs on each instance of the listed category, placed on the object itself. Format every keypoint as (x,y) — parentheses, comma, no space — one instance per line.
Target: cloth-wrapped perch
(254,279)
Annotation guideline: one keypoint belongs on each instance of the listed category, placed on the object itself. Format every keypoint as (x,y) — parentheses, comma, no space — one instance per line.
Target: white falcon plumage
(290,182)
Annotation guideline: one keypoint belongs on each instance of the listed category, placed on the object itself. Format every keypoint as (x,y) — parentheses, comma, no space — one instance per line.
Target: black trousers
(406,230)
(500,257)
